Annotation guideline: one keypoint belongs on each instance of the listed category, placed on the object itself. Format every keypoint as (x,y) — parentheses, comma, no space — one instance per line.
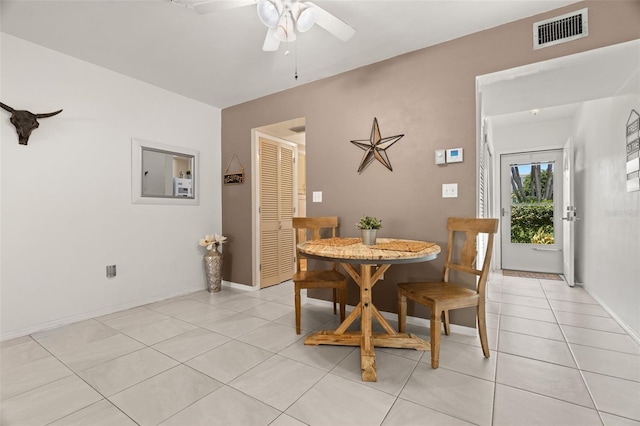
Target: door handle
(571,218)
(546,249)
(571,214)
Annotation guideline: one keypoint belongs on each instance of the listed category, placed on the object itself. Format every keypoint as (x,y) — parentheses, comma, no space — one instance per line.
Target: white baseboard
(88,315)
(237,286)
(631,332)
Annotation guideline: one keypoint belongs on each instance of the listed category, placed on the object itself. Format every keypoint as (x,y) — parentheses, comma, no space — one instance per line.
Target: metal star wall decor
(375,147)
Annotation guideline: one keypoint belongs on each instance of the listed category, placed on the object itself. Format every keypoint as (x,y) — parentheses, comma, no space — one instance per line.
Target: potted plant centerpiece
(369,226)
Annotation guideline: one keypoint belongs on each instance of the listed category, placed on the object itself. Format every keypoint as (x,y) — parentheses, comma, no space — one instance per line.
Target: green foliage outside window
(544,235)
(532,204)
(532,224)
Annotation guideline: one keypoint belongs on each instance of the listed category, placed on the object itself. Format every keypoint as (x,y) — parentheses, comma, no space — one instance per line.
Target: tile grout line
(74,373)
(495,372)
(106,398)
(575,360)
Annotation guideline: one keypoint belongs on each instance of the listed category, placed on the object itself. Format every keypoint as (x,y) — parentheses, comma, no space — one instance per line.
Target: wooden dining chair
(311,228)
(441,297)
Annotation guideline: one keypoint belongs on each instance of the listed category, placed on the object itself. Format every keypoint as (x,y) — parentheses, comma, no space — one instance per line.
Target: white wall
(608,234)
(66,197)
(549,134)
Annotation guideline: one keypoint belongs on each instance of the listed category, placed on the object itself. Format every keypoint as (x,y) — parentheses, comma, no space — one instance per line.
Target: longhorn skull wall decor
(25,121)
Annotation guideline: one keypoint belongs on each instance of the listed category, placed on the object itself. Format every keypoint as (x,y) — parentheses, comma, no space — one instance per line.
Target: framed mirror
(163,174)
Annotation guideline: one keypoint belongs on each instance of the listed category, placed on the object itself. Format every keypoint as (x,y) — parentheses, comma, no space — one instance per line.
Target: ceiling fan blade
(271,43)
(330,23)
(208,6)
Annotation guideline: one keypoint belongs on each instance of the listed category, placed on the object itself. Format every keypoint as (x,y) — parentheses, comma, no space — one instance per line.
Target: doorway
(531,211)
(533,108)
(277,205)
(278,179)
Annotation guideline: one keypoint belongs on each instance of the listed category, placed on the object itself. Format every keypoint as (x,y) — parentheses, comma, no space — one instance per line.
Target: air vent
(560,29)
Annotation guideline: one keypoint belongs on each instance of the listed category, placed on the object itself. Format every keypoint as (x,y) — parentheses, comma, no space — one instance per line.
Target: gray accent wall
(427,95)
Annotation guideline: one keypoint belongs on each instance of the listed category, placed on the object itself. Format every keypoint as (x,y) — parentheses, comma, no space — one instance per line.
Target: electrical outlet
(449,190)
(111,271)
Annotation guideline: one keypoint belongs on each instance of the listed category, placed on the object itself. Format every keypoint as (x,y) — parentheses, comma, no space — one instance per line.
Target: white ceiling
(218,59)
(556,88)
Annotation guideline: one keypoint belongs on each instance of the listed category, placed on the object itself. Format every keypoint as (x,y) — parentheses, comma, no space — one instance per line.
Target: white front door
(569,215)
(531,216)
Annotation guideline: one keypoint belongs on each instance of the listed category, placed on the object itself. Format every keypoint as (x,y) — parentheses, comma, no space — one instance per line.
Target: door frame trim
(256,134)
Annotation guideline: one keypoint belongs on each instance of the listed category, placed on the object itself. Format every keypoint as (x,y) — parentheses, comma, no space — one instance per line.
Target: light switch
(440,156)
(449,190)
(317,196)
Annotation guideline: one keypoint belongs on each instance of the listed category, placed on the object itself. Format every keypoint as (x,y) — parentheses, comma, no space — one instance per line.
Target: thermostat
(454,155)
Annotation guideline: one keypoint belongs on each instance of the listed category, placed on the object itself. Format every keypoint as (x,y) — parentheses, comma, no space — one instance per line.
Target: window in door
(531,215)
(532,203)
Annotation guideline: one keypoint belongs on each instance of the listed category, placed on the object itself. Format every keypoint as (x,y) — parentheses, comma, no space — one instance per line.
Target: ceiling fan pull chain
(296,59)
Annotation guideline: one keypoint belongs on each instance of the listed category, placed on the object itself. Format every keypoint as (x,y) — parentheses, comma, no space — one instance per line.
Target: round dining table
(373,260)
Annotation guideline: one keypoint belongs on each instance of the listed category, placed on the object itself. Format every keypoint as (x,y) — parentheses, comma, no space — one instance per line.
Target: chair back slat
(465,269)
(466,257)
(469,252)
(311,228)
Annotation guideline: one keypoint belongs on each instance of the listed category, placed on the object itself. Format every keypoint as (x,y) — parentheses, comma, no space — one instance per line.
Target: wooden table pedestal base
(365,338)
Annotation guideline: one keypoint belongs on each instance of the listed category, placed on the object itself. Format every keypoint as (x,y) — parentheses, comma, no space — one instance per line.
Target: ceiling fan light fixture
(268,13)
(306,19)
(285,31)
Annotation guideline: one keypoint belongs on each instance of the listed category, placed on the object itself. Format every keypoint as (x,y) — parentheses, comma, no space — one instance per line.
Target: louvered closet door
(276,212)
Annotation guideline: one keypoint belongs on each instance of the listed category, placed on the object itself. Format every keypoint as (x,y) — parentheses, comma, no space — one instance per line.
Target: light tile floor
(233,358)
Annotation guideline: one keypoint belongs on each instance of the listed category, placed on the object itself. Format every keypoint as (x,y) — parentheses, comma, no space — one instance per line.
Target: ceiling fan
(283,18)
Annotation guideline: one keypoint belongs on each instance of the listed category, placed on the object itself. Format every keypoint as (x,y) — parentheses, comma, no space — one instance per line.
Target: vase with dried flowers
(213,261)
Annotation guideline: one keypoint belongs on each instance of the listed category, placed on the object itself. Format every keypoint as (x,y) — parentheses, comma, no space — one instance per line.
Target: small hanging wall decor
(633,151)
(233,177)
(375,147)
(25,122)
